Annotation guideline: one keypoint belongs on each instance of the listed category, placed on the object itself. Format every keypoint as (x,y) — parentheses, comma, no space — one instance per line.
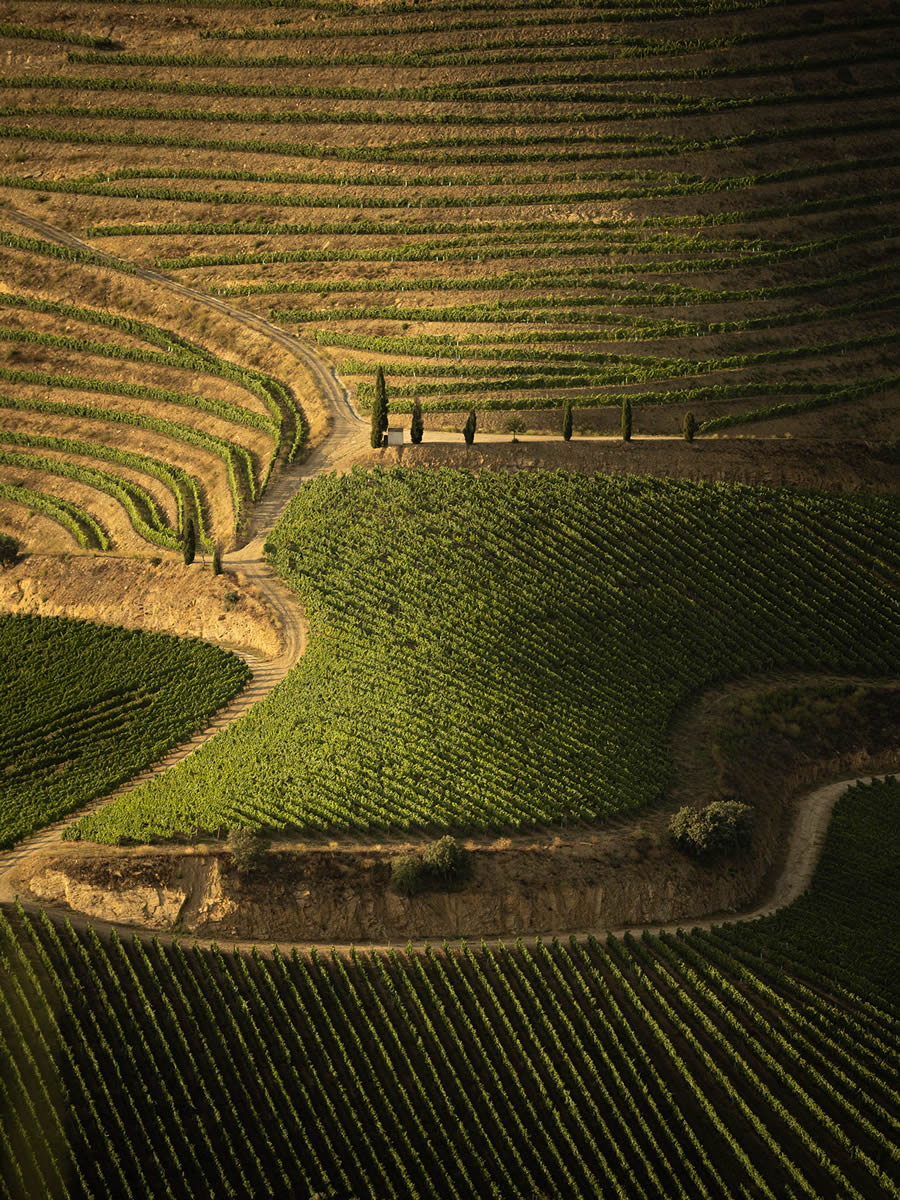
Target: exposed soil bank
(837,466)
(549,882)
(166,598)
(320,894)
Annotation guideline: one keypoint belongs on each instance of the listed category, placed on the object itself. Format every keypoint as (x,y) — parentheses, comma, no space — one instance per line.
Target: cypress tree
(417,426)
(469,428)
(379,410)
(567,421)
(626,420)
(688,426)
(189,547)
(217,561)
(377,437)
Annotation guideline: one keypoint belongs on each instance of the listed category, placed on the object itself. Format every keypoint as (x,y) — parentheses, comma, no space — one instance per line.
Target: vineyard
(85,707)
(506,207)
(750,1060)
(220,223)
(496,651)
(118,429)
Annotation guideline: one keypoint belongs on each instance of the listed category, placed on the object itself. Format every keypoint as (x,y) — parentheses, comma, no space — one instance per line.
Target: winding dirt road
(347,437)
(326,378)
(813,814)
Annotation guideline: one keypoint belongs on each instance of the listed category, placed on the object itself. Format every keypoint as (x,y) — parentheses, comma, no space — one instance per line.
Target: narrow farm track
(345,417)
(266,674)
(807,839)
(347,437)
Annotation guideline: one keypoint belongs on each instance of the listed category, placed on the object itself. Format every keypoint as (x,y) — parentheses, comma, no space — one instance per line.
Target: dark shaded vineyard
(750,1060)
(83,707)
(499,650)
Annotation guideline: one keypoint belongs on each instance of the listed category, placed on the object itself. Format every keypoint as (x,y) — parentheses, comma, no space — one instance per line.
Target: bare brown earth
(147,298)
(829,134)
(165,597)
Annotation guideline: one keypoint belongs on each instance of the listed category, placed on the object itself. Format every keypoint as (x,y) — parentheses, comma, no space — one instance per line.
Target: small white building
(395,435)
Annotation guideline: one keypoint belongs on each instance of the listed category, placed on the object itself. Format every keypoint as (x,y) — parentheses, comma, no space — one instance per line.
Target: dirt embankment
(774,463)
(162,596)
(568,880)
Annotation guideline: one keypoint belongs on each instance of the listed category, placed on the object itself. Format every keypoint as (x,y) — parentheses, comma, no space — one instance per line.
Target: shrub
(446,859)
(688,427)
(408,875)
(245,849)
(9,550)
(722,827)
(441,865)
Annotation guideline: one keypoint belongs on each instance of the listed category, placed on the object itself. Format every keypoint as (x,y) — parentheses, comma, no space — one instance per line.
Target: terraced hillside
(751,1060)
(505,205)
(499,651)
(118,428)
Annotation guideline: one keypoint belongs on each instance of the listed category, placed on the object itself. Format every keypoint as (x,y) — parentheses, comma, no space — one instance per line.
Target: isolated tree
(9,550)
(567,421)
(379,410)
(515,426)
(217,561)
(469,428)
(626,420)
(189,547)
(688,426)
(417,425)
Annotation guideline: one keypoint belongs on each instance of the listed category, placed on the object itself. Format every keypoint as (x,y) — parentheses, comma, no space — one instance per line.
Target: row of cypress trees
(380,419)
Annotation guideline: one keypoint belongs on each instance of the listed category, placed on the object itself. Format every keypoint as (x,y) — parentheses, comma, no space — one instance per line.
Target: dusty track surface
(347,441)
(813,813)
(344,415)
(348,436)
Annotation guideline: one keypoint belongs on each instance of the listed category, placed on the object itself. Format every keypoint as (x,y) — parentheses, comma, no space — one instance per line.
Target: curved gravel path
(813,813)
(349,434)
(347,437)
(337,395)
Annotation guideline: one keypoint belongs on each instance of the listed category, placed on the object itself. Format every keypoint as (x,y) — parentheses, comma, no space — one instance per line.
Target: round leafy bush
(245,848)
(446,858)
(722,827)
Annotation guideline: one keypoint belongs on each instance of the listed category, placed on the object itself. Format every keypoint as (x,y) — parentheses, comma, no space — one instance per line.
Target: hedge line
(226,451)
(178,481)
